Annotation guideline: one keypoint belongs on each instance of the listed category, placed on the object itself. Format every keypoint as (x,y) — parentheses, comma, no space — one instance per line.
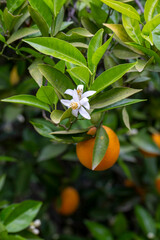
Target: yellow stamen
(74,105)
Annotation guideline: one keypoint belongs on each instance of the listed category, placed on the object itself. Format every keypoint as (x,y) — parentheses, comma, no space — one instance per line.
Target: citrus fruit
(84,151)
(156,140)
(157,184)
(14,76)
(69,201)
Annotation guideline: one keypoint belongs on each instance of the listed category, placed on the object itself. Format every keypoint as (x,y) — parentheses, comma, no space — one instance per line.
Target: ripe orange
(69,201)
(157,184)
(85,151)
(156,140)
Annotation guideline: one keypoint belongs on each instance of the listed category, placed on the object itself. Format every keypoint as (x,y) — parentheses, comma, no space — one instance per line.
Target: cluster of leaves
(115,69)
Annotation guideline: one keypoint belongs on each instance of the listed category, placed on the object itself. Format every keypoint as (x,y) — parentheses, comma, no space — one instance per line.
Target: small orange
(157,184)
(92,131)
(69,201)
(85,151)
(156,140)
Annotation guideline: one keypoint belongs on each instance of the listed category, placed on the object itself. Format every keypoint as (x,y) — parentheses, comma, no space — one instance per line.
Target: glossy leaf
(98,231)
(132,27)
(43,10)
(112,96)
(58,20)
(143,141)
(39,20)
(123,8)
(55,5)
(21,33)
(70,132)
(35,73)
(156,37)
(100,52)
(2,39)
(58,49)
(9,19)
(149,27)
(100,147)
(81,73)
(13,5)
(2,181)
(56,78)
(122,103)
(110,76)
(27,100)
(149,9)
(125,117)
(147,51)
(47,95)
(21,216)
(122,52)
(94,44)
(145,220)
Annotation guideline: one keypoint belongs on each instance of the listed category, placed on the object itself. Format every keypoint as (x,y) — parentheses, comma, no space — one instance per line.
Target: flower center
(74,105)
(79,92)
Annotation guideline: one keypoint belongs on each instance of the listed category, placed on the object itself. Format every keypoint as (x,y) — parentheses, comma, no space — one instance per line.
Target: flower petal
(83,100)
(65,102)
(75,96)
(75,112)
(88,94)
(80,88)
(84,113)
(86,105)
(69,92)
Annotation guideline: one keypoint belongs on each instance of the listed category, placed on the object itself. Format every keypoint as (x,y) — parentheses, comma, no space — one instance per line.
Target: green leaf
(27,100)
(110,76)
(100,52)
(145,220)
(100,147)
(2,39)
(122,103)
(51,151)
(21,33)
(55,5)
(56,78)
(143,141)
(35,73)
(98,231)
(60,66)
(39,20)
(2,181)
(125,117)
(156,37)
(58,49)
(147,51)
(149,9)
(9,19)
(98,14)
(7,159)
(70,132)
(81,73)
(58,22)
(43,10)
(21,216)
(122,52)
(57,115)
(94,44)
(13,5)
(149,27)
(120,225)
(112,96)
(119,31)
(3,232)
(123,8)
(132,27)
(47,95)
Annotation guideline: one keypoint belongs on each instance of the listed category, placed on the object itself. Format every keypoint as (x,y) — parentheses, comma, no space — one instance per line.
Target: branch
(139,5)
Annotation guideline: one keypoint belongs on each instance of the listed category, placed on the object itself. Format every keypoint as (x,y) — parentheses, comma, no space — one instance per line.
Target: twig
(139,5)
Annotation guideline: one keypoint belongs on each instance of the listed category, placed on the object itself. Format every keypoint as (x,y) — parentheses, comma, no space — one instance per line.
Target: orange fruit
(157,184)
(69,201)
(156,140)
(92,131)
(85,151)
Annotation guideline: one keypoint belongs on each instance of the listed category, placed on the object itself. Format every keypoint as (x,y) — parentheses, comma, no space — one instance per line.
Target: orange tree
(77,73)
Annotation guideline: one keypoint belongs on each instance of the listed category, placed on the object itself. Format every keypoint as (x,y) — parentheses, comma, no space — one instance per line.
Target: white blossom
(80,102)
(37,223)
